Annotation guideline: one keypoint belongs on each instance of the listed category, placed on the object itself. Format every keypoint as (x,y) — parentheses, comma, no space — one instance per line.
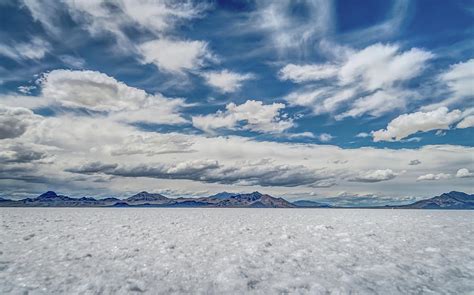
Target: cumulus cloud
(431,176)
(408,124)
(226,81)
(35,49)
(15,121)
(257,117)
(369,81)
(464,173)
(374,176)
(175,56)
(325,137)
(99,92)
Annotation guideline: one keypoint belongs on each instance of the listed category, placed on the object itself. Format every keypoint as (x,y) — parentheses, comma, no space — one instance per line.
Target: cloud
(306,134)
(376,104)
(380,66)
(73,61)
(263,172)
(226,81)
(305,73)
(15,153)
(408,124)
(458,78)
(175,56)
(153,144)
(374,176)
(286,32)
(15,121)
(464,173)
(432,176)
(257,117)
(414,162)
(325,137)
(467,122)
(35,49)
(92,167)
(363,135)
(371,80)
(155,17)
(98,92)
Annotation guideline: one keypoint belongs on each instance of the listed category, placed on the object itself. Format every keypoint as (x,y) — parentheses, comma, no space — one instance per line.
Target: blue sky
(140,91)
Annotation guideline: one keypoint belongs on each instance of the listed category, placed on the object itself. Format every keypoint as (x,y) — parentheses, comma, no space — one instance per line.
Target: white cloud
(14,121)
(408,124)
(380,66)
(368,81)
(226,81)
(325,137)
(35,49)
(457,82)
(257,117)
(175,56)
(467,122)
(286,35)
(363,135)
(431,176)
(161,16)
(376,104)
(374,176)
(98,92)
(305,73)
(156,17)
(464,173)
(306,134)
(459,78)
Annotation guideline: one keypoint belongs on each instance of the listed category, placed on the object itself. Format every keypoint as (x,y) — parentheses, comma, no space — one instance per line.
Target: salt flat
(217,251)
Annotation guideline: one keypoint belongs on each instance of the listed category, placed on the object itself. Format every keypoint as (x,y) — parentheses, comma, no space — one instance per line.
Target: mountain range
(451,200)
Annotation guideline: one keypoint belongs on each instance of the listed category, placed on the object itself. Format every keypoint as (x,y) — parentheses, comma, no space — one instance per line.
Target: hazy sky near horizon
(352,102)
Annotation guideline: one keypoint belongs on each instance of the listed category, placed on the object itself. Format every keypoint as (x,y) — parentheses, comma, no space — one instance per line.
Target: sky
(347,102)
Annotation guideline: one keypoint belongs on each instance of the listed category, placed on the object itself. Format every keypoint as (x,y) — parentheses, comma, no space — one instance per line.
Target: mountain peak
(48,194)
(145,196)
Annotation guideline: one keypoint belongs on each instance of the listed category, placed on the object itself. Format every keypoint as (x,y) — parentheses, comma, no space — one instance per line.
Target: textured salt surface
(216,251)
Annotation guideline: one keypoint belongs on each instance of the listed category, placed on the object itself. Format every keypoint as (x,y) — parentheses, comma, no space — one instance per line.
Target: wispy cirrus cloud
(226,81)
(369,81)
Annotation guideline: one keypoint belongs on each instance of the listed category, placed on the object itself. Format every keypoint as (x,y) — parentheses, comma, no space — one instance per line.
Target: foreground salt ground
(232,251)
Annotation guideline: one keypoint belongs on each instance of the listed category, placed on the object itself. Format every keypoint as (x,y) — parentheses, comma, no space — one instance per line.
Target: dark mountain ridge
(451,200)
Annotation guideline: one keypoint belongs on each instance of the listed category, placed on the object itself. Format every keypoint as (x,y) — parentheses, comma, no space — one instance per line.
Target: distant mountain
(255,199)
(51,199)
(451,200)
(146,198)
(222,196)
(310,204)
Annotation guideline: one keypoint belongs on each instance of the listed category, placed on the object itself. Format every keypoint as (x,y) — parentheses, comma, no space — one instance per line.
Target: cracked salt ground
(217,251)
